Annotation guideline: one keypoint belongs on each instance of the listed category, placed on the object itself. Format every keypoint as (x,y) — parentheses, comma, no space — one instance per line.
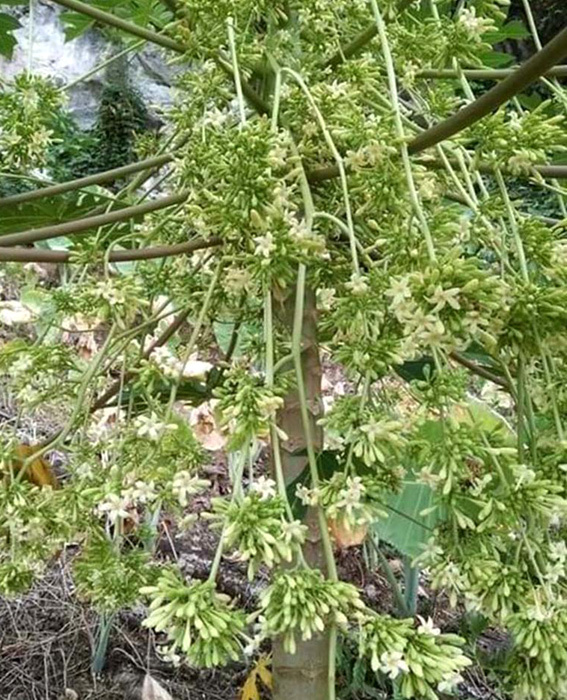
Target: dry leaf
(260,671)
(152,690)
(264,671)
(203,422)
(344,535)
(79,331)
(196,369)
(39,471)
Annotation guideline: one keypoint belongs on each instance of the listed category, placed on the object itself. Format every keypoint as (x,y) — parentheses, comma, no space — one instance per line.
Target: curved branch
(124,25)
(80,225)
(96,179)
(64,256)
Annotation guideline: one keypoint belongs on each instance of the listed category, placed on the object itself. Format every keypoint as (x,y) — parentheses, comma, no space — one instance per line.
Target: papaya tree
(338,183)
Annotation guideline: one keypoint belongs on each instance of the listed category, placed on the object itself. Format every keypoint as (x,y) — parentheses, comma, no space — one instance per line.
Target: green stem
(411,578)
(312,458)
(236,71)
(400,132)
(339,163)
(394,585)
(133,47)
(238,471)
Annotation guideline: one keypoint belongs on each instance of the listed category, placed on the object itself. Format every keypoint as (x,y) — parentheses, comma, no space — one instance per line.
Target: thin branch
(485,74)
(545,171)
(80,225)
(359,42)
(354,47)
(96,179)
(124,25)
(481,371)
(557,172)
(65,256)
(251,95)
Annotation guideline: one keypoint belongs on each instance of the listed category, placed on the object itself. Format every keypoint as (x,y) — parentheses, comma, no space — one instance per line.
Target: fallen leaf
(152,690)
(80,332)
(38,472)
(196,369)
(250,690)
(204,424)
(345,536)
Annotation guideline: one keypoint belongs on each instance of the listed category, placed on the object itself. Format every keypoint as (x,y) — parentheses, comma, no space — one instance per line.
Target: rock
(65,61)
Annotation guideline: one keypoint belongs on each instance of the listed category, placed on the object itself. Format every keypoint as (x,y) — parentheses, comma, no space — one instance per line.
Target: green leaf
(223,334)
(142,12)
(496,59)
(406,528)
(8,41)
(416,370)
(510,30)
(75,24)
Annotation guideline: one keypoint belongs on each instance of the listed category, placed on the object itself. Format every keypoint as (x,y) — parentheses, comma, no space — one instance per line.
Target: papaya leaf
(407,528)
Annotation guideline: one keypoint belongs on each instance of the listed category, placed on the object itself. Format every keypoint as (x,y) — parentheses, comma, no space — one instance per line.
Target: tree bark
(303,675)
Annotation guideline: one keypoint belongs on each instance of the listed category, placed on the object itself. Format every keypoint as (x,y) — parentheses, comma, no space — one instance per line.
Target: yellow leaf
(39,471)
(264,672)
(250,688)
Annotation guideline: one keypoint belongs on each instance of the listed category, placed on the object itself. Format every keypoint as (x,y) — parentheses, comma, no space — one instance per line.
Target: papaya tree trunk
(303,675)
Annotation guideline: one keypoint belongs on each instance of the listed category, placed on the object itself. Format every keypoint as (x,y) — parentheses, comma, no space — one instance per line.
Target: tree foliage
(334,195)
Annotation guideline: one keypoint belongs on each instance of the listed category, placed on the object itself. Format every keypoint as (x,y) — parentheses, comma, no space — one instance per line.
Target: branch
(111,392)
(64,256)
(96,179)
(482,74)
(251,95)
(79,225)
(359,42)
(161,40)
(481,371)
(354,47)
(557,172)
(523,76)
(515,83)
(118,23)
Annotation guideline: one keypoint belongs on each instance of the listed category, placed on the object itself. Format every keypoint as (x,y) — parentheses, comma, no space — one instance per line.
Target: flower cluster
(247,407)
(422,659)
(448,305)
(257,527)
(197,620)
(27,111)
(303,603)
